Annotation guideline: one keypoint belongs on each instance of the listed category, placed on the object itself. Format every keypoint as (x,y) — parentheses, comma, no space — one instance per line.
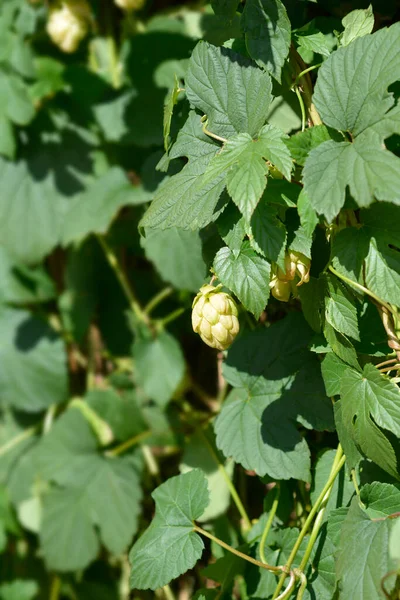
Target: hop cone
(68,23)
(215,317)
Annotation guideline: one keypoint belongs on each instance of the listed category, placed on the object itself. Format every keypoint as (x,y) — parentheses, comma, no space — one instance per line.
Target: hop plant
(130,5)
(68,24)
(215,317)
(297,271)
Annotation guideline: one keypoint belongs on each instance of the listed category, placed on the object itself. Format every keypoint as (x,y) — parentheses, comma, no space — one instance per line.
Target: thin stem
(128,444)
(355,483)
(158,298)
(302,108)
(229,483)
(168,593)
(361,288)
(287,592)
(171,317)
(339,462)
(49,418)
(300,75)
(235,551)
(392,368)
(55,588)
(210,133)
(151,464)
(302,587)
(267,527)
(11,444)
(386,362)
(114,264)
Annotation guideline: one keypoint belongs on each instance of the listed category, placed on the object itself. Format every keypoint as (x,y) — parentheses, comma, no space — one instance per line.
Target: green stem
(49,418)
(267,527)
(114,264)
(235,551)
(339,462)
(158,298)
(300,75)
(354,480)
(168,593)
(361,288)
(11,444)
(302,107)
(210,133)
(229,482)
(55,588)
(128,444)
(171,317)
(302,587)
(151,464)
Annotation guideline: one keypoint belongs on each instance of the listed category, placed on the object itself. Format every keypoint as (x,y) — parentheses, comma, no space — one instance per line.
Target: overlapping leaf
(179,501)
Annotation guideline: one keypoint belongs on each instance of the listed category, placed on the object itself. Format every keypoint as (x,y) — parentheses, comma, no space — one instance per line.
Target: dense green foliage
(146,151)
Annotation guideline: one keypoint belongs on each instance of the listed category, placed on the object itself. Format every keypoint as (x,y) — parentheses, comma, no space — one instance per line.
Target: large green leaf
(97,492)
(279,381)
(159,366)
(33,370)
(94,210)
(380,499)
(246,274)
(184,200)
(342,489)
(30,224)
(183,264)
(369,401)
(267,30)
(19,589)
(365,69)
(267,233)
(21,284)
(228,88)
(179,501)
(362,555)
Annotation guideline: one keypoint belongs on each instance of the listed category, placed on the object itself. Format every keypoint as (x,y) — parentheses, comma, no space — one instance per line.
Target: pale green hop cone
(215,317)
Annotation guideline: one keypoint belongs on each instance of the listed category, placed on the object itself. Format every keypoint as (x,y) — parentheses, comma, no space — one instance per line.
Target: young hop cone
(68,24)
(297,272)
(215,317)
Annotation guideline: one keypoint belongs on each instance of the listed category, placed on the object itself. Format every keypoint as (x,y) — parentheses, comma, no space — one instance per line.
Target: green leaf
(313,41)
(243,161)
(362,557)
(68,456)
(342,489)
(394,542)
(353,454)
(179,501)
(232,228)
(278,381)
(19,589)
(21,284)
(300,144)
(183,264)
(333,369)
(170,102)
(312,302)
(380,499)
(357,24)
(8,144)
(185,200)
(246,431)
(267,233)
(267,31)
(94,210)
(159,366)
(365,69)
(225,8)
(33,371)
(308,216)
(200,453)
(341,310)
(30,225)
(120,410)
(341,346)
(246,274)
(369,401)
(14,99)
(216,76)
